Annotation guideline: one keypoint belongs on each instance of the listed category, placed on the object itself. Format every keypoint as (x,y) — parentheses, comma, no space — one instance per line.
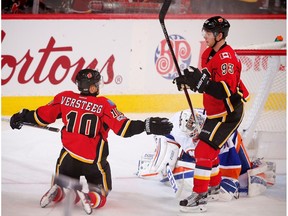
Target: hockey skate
(50,195)
(85,201)
(195,203)
(213,193)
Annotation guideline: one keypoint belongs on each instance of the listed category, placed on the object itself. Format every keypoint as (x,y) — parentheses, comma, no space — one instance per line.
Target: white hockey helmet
(188,125)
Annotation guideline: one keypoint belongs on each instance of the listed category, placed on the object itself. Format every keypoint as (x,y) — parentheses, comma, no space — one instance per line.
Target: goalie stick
(53,129)
(162,14)
(173,183)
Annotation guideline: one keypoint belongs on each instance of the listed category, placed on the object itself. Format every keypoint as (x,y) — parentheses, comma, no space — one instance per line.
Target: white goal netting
(264,74)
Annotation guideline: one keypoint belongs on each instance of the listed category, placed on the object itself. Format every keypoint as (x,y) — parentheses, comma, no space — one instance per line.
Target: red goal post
(264,74)
(261,52)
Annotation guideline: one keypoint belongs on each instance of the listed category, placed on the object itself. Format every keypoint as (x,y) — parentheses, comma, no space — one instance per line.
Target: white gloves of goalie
(158,126)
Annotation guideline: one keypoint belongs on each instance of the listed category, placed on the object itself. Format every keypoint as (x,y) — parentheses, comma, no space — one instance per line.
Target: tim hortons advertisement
(42,57)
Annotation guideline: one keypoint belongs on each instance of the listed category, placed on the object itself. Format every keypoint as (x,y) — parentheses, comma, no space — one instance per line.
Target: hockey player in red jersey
(223,96)
(87,119)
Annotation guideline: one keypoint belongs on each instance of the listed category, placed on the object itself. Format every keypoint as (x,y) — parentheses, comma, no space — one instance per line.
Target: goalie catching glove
(158,126)
(194,79)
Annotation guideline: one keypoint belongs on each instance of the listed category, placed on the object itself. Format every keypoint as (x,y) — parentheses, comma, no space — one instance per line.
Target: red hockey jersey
(224,67)
(87,121)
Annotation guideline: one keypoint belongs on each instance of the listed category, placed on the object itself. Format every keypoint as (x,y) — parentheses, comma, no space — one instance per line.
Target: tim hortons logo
(20,67)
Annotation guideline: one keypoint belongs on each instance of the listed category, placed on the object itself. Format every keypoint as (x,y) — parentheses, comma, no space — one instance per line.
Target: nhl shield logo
(164,61)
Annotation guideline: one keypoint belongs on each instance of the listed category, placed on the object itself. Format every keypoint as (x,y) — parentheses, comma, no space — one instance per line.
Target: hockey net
(264,124)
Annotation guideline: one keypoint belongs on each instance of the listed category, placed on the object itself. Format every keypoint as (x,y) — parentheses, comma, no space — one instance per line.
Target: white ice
(28,162)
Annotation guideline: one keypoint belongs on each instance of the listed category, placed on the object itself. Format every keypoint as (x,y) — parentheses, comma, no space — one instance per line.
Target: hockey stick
(172,181)
(162,14)
(53,129)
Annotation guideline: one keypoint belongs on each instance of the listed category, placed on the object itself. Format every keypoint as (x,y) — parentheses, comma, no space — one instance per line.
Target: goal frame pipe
(261,52)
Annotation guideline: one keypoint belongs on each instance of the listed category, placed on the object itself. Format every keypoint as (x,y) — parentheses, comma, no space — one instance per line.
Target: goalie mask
(187,124)
(87,77)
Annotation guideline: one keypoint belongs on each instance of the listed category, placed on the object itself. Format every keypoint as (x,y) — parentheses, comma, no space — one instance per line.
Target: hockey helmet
(187,124)
(217,24)
(85,78)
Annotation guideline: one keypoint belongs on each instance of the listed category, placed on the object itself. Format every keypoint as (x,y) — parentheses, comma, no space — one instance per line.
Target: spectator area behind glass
(143,6)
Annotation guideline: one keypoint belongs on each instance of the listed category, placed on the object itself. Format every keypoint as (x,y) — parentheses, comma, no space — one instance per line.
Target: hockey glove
(158,126)
(181,82)
(203,81)
(194,78)
(17,119)
(190,77)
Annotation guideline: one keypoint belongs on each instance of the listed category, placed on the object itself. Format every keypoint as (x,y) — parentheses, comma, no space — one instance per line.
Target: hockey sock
(77,198)
(60,195)
(205,155)
(97,200)
(215,173)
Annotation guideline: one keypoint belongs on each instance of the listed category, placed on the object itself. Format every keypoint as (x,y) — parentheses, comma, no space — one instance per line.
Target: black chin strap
(216,40)
(214,43)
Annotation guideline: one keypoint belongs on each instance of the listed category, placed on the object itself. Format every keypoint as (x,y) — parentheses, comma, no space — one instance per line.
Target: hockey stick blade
(177,190)
(171,179)
(53,129)
(163,11)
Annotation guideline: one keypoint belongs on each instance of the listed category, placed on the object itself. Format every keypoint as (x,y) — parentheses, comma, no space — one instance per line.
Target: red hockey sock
(204,155)
(77,198)
(60,195)
(216,174)
(97,200)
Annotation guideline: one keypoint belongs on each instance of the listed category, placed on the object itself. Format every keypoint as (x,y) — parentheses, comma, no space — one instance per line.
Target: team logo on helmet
(164,61)
(89,75)
(220,20)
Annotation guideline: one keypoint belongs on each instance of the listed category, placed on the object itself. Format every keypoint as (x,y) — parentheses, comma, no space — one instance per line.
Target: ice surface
(28,162)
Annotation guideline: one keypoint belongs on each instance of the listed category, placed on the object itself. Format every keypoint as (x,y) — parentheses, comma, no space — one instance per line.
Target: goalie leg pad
(270,173)
(268,167)
(229,189)
(166,152)
(144,165)
(257,183)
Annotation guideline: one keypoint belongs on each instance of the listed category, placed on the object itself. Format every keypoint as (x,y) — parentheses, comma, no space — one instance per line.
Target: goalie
(239,175)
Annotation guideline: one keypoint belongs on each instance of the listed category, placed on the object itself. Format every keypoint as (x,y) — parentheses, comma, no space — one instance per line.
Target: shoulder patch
(110,102)
(225,55)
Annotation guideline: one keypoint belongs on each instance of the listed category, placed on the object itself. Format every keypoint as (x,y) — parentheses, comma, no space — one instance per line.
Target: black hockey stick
(53,129)
(162,14)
